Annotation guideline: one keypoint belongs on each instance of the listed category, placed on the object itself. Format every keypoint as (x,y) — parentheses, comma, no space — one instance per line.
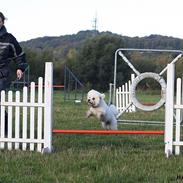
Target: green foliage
(36,61)
(90,56)
(95,62)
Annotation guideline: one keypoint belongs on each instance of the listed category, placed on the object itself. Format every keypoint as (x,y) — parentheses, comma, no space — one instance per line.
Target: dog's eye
(93,98)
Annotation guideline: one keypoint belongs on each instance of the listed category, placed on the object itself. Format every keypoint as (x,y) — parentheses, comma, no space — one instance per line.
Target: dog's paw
(88,114)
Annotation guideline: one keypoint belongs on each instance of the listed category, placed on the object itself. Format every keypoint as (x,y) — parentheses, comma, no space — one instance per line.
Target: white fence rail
(123,96)
(29,116)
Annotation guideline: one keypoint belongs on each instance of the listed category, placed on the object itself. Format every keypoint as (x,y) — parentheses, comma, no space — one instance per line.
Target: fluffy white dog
(106,114)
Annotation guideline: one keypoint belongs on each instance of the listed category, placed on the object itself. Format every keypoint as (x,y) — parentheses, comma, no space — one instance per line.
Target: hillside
(62,44)
(90,55)
(59,46)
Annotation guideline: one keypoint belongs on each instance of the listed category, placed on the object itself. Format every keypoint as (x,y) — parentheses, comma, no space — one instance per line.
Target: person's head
(2,19)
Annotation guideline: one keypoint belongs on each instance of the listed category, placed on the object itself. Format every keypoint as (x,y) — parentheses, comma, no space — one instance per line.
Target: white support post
(117,99)
(181,113)
(133,107)
(110,93)
(129,99)
(120,102)
(48,100)
(178,116)
(126,95)
(169,110)
(123,97)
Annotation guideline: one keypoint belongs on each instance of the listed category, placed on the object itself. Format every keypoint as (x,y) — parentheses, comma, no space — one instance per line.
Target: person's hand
(19,74)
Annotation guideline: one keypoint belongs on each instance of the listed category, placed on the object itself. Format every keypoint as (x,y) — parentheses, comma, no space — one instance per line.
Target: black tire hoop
(139,78)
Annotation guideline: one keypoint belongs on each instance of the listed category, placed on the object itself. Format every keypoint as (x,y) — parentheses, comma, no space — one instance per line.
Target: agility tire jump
(136,81)
(141,76)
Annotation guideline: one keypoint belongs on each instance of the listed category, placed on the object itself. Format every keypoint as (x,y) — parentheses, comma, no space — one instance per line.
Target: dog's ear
(102,95)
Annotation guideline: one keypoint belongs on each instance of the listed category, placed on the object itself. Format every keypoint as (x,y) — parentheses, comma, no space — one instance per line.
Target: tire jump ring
(139,78)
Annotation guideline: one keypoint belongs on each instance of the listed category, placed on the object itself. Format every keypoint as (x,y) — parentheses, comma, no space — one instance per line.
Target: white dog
(106,114)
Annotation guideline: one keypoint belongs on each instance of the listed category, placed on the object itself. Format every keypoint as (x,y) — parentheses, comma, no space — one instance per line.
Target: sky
(29,19)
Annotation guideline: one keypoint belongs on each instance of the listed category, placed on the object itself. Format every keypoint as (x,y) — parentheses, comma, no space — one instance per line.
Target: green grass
(148,96)
(94,159)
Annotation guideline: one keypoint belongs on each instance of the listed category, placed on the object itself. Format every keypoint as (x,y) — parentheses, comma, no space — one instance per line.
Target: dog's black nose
(88,100)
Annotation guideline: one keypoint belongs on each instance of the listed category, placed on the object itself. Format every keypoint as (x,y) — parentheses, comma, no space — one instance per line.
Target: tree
(95,63)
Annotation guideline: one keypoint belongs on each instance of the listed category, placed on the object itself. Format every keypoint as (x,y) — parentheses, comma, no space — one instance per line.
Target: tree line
(90,55)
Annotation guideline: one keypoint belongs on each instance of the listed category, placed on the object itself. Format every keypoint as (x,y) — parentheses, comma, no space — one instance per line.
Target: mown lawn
(94,159)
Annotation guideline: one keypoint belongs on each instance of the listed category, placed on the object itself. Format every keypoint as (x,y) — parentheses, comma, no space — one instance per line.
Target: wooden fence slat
(178,116)
(10,117)
(2,135)
(32,114)
(40,114)
(17,119)
(24,125)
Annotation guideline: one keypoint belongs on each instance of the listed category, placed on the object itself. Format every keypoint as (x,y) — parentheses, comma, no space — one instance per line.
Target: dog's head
(94,98)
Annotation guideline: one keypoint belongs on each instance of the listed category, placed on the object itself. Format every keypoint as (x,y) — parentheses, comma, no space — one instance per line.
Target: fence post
(48,100)
(110,93)
(178,115)
(169,110)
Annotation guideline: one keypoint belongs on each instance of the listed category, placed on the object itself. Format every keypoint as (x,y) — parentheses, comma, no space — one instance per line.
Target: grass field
(94,159)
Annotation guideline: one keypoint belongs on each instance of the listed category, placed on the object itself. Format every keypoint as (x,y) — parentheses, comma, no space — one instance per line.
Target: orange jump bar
(110,132)
(54,86)
(58,86)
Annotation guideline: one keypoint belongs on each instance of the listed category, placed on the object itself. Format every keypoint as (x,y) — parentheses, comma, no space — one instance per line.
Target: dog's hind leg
(114,125)
(106,125)
(103,125)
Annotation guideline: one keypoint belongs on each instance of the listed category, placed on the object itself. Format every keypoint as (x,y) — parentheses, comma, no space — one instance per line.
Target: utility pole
(94,25)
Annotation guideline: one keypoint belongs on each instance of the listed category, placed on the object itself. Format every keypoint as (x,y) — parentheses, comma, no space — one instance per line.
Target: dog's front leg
(100,116)
(89,113)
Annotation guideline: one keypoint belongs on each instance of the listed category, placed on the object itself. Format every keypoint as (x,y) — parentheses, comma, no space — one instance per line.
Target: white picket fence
(123,96)
(29,116)
(173,113)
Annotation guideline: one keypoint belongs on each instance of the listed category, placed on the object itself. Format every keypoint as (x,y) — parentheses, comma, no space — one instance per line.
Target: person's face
(1,22)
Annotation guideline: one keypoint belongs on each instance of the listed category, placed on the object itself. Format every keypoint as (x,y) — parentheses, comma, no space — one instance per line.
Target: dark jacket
(10,50)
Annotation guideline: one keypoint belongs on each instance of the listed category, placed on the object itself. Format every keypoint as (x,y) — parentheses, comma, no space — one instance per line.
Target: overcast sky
(28,19)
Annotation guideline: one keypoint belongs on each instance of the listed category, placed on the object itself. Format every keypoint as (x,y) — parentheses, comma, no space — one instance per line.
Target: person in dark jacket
(9,50)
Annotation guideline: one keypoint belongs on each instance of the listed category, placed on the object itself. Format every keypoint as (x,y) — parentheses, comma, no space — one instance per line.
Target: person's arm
(19,57)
